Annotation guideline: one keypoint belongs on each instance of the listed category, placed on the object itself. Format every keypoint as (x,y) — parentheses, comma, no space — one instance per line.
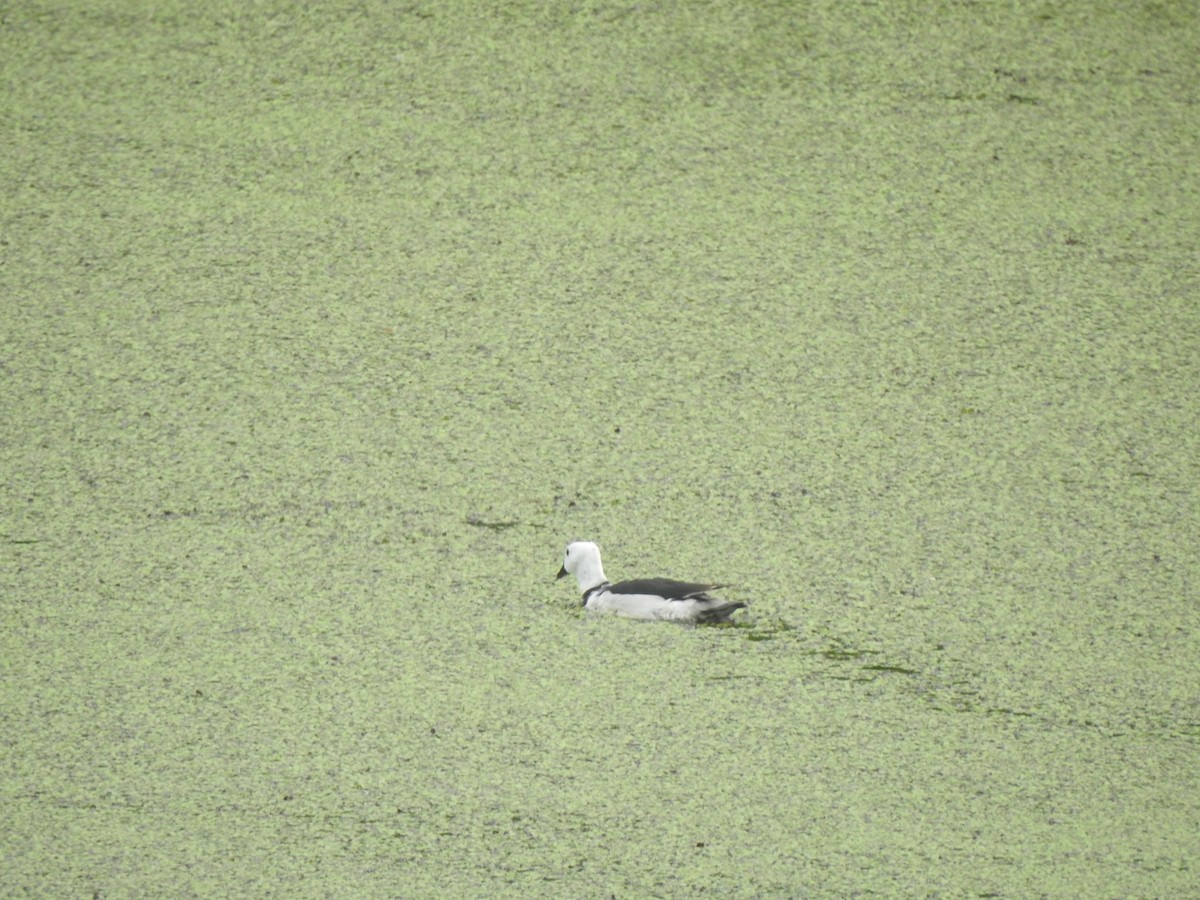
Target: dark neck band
(598,589)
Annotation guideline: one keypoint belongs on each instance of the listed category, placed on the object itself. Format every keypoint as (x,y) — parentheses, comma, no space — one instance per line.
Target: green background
(324,327)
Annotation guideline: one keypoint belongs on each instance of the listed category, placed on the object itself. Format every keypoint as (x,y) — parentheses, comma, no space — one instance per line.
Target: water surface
(326,329)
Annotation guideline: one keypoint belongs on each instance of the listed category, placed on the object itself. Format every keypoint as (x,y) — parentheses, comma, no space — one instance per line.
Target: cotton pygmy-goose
(643,598)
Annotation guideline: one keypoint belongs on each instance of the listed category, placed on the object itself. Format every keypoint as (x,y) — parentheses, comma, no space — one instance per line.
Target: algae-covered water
(325,327)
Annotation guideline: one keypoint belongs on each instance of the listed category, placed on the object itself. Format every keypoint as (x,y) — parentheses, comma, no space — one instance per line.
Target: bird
(643,598)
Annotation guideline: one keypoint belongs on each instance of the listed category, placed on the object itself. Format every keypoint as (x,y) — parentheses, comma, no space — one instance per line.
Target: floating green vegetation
(496,525)
(843,654)
(765,631)
(878,667)
(1005,711)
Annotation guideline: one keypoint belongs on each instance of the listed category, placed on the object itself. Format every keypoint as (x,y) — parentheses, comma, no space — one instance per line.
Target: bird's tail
(722,612)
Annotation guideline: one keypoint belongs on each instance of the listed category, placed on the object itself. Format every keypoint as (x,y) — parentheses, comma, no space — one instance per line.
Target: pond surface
(325,329)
